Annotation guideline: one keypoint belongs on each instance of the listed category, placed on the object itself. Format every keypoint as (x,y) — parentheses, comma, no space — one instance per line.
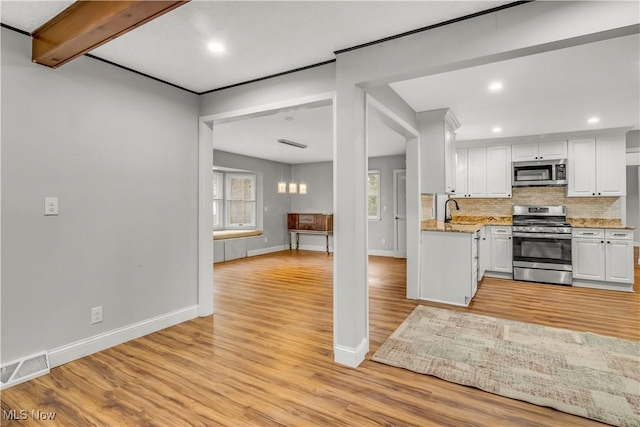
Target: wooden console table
(309,223)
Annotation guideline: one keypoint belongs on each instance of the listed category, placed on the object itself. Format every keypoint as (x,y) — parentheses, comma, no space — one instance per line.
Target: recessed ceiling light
(496,129)
(593,120)
(495,86)
(216,47)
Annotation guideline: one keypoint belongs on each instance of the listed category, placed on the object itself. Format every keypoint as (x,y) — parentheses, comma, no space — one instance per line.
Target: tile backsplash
(428,207)
(577,207)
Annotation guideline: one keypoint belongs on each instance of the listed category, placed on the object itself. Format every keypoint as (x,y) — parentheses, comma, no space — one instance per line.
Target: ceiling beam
(85,25)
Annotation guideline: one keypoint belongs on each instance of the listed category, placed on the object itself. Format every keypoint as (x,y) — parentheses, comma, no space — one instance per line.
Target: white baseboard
(376,252)
(264,251)
(314,248)
(67,353)
(351,357)
(603,285)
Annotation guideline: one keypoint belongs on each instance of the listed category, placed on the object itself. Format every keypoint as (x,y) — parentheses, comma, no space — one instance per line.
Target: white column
(350,226)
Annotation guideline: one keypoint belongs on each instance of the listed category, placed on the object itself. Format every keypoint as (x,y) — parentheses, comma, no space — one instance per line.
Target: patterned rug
(580,373)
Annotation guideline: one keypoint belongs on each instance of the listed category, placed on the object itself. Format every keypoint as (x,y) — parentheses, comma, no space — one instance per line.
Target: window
(218,196)
(373,195)
(240,200)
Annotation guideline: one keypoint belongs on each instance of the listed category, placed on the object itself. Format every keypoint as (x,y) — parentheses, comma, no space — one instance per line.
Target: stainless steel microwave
(539,173)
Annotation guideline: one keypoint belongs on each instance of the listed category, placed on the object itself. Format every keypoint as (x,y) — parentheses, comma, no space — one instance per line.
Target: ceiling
(545,93)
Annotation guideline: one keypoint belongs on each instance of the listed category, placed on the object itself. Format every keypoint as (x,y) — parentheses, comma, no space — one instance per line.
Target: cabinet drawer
(505,231)
(618,234)
(595,233)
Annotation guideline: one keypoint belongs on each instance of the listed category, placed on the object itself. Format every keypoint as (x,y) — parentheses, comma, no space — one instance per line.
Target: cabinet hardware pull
(599,194)
(608,243)
(593,194)
(618,234)
(589,234)
(601,241)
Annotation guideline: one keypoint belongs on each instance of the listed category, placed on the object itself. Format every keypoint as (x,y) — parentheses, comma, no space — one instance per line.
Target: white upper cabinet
(611,178)
(461,173)
(483,172)
(477,172)
(499,171)
(548,150)
(597,167)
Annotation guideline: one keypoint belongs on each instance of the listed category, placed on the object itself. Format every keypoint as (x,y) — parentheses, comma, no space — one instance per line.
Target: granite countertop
(598,223)
(471,224)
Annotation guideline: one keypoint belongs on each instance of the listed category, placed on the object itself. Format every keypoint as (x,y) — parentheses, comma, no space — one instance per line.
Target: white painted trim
(96,343)
(205,219)
(320,99)
(632,158)
(314,248)
(376,252)
(206,266)
(263,251)
(351,357)
(396,252)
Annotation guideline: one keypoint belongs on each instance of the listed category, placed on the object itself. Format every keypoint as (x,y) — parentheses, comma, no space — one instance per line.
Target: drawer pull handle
(589,234)
(619,234)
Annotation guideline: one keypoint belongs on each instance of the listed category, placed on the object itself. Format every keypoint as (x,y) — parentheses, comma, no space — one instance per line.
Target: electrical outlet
(265,240)
(50,206)
(384,241)
(96,315)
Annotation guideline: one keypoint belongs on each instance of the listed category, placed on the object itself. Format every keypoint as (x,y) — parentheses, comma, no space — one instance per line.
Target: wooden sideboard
(309,223)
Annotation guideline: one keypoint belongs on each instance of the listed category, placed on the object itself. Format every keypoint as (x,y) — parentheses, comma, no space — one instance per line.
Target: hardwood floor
(266,357)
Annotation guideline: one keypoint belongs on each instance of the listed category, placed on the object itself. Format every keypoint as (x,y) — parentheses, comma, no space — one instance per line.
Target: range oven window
(542,250)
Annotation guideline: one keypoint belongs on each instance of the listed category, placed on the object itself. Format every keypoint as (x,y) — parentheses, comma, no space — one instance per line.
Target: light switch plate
(50,206)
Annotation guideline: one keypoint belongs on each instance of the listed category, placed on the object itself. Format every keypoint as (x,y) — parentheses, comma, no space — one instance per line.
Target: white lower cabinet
(449,267)
(603,258)
(501,250)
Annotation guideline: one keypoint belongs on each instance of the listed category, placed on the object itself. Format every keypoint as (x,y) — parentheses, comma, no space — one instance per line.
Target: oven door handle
(543,236)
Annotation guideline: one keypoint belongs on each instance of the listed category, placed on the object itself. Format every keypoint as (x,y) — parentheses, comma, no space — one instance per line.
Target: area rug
(584,374)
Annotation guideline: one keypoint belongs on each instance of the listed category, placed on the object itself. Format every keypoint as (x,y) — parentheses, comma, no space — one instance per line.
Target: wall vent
(23,370)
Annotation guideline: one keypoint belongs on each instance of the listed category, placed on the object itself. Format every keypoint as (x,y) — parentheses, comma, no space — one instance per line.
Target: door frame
(205,183)
(396,252)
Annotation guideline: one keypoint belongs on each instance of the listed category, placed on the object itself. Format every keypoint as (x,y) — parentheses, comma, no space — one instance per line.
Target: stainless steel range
(542,244)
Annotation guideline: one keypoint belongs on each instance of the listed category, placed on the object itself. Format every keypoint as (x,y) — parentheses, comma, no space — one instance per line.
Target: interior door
(400,213)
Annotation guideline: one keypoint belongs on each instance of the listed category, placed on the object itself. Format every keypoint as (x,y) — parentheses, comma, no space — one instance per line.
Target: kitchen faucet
(447,213)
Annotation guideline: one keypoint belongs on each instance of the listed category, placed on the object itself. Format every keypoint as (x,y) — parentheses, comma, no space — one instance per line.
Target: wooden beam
(85,25)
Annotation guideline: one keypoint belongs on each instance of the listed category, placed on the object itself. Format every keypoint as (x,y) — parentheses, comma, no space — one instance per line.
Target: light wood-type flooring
(265,358)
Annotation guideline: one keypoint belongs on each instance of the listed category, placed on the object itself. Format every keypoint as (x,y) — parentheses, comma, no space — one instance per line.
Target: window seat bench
(235,234)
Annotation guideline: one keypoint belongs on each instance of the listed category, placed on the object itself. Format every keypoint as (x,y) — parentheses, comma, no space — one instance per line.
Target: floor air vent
(23,370)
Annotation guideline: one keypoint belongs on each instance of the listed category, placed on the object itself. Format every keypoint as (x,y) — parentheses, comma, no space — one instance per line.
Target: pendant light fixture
(293,185)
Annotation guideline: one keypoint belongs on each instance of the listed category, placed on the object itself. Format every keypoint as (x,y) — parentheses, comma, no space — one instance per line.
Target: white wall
(121,153)
(319,199)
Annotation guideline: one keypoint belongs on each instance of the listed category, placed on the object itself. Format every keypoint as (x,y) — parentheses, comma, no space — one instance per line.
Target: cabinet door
(581,168)
(477,172)
(321,223)
(501,253)
(524,152)
(551,150)
(619,261)
(461,173)
(610,166)
(588,258)
(292,221)
(499,171)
